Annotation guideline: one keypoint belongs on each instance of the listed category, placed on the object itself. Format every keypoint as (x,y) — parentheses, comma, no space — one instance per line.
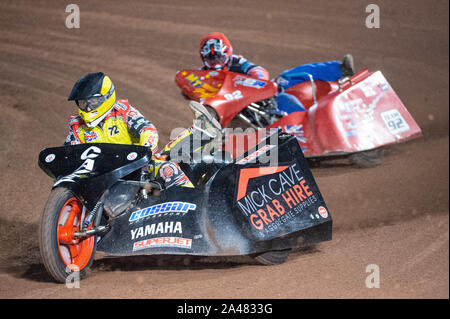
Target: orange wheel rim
(74,252)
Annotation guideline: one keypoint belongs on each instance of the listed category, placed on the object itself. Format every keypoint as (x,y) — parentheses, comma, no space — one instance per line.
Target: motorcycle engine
(119,198)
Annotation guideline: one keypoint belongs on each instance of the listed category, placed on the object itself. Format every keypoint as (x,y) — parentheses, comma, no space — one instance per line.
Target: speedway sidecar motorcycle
(354,117)
(103,200)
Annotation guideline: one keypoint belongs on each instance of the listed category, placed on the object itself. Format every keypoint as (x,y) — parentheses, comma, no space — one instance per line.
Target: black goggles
(216,59)
(94,101)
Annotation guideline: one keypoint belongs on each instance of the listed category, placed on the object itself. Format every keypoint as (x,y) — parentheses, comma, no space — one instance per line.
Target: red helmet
(215,50)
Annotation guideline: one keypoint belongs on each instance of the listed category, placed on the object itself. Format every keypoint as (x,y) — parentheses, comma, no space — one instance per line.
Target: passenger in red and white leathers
(217,54)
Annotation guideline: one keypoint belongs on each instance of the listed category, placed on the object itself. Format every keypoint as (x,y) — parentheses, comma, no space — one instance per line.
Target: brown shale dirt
(394,215)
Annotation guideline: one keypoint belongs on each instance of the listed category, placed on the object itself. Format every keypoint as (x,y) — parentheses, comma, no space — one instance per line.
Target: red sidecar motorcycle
(353,117)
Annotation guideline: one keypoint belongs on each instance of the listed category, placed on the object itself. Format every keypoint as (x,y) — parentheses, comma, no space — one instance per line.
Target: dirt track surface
(394,215)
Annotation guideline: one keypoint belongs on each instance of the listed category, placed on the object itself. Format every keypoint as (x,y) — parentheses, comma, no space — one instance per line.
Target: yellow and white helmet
(95,96)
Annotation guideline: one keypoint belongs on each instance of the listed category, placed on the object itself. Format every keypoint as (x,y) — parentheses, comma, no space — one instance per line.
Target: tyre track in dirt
(394,215)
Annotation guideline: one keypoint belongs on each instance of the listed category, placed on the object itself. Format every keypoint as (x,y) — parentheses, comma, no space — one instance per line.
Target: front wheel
(62,253)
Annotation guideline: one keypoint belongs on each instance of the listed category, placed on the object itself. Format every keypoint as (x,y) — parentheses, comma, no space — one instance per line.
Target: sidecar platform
(245,207)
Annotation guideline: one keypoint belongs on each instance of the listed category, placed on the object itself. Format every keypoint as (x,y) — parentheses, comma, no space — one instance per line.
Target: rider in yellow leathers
(103,119)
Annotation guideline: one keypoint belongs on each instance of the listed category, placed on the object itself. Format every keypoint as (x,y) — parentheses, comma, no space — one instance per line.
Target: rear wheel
(273,257)
(368,158)
(62,253)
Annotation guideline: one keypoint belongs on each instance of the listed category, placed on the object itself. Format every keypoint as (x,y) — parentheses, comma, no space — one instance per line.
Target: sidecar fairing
(361,114)
(247,206)
(90,169)
(227,93)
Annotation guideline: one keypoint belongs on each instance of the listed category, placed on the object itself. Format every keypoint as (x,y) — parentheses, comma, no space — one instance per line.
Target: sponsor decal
(124,107)
(368,90)
(369,112)
(248,173)
(250,158)
(194,80)
(299,133)
(50,158)
(164,208)
(90,136)
(248,82)
(91,153)
(384,86)
(282,195)
(168,170)
(201,89)
(177,139)
(394,121)
(132,156)
(357,109)
(156,229)
(323,212)
(88,156)
(175,242)
(152,139)
(359,104)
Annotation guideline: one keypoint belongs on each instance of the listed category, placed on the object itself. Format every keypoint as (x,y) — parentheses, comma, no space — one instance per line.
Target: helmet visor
(216,61)
(95,101)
